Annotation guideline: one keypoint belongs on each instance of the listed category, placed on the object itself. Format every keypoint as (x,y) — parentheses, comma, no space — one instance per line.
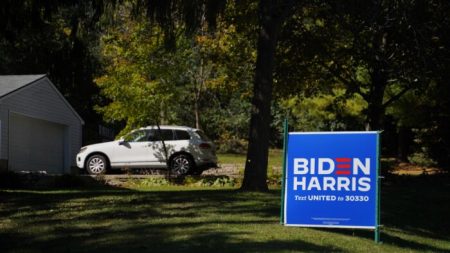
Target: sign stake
(377,211)
(285,138)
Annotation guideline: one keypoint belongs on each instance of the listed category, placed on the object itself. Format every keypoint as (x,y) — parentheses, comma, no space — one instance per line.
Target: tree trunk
(404,141)
(376,109)
(197,114)
(200,82)
(255,175)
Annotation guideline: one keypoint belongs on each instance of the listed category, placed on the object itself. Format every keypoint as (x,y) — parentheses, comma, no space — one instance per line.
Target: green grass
(275,158)
(415,214)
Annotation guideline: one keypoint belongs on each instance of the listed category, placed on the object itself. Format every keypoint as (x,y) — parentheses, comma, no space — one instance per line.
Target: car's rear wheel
(96,165)
(181,164)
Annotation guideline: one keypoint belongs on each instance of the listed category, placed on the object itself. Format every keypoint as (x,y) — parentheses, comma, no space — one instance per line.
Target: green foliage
(151,181)
(421,159)
(327,112)
(370,53)
(189,181)
(198,84)
(229,121)
(225,104)
(140,78)
(274,180)
(339,65)
(231,144)
(393,55)
(426,113)
(213,181)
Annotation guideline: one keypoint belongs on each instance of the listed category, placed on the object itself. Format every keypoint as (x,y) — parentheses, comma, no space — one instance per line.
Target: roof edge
(64,100)
(26,85)
(45,77)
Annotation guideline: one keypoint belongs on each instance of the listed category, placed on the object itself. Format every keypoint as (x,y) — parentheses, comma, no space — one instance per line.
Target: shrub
(153,181)
(231,144)
(421,159)
(190,181)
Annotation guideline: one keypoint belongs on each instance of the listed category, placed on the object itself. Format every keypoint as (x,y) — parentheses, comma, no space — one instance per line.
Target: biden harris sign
(331,180)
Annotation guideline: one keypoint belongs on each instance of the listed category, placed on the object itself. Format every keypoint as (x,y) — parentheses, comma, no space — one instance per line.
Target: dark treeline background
(339,65)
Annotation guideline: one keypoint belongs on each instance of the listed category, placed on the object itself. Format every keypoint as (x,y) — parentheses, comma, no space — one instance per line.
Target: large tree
(376,49)
(271,16)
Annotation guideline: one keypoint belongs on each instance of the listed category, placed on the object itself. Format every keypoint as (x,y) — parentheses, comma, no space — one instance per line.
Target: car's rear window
(182,135)
(202,135)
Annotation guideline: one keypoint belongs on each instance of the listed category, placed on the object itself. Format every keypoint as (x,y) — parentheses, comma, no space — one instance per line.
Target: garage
(40,131)
(35,144)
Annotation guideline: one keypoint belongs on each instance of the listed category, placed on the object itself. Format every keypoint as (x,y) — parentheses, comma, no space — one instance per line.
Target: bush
(216,181)
(274,180)
(190,181)
(232,146)
(153,181)
(421,159)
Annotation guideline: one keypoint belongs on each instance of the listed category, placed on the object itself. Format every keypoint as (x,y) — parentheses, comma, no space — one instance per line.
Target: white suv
(188,151)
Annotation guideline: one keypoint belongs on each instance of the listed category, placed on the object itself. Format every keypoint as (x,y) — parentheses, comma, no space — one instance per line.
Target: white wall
(41,100)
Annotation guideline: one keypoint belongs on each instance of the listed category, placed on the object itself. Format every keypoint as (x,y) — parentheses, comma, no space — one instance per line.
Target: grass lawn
(275,158)
(415,212)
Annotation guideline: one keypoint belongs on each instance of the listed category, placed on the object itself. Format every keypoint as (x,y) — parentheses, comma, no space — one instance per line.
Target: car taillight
(204,146)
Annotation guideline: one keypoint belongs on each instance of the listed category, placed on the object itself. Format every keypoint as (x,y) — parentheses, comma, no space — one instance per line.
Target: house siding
(41,100)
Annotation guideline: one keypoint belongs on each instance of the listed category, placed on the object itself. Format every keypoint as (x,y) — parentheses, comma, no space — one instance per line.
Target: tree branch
(350,84)
(396,97)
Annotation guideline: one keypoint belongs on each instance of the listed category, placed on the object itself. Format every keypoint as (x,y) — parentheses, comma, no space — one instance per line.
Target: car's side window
(167,134)
(151,135)
(154,135)
(182,135)
(136,136)
(141,137)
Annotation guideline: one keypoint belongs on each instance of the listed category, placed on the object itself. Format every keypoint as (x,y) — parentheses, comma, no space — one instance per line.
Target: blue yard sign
(331,180)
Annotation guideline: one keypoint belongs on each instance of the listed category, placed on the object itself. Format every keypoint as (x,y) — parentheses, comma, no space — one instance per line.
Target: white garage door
(35,145)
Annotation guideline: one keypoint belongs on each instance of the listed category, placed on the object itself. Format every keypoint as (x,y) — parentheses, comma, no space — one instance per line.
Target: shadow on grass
(114,220)
(150,239)
(387,238)
(409,244)
(109,219)
(412,205)
(417,204)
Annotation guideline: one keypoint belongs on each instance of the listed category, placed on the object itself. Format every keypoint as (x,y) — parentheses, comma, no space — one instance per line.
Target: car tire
(181,165)
(96,165)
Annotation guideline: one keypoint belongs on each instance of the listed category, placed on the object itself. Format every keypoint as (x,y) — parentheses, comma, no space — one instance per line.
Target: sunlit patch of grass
(275,158)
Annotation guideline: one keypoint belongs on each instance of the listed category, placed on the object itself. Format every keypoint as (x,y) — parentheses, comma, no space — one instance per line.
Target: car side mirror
(122,142)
